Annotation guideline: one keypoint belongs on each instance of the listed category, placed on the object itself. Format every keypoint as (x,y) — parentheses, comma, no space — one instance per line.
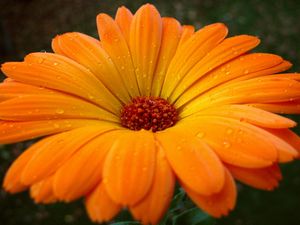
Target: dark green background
(29,25)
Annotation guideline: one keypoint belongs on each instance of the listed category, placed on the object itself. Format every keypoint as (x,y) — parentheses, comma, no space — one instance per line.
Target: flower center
(149,113)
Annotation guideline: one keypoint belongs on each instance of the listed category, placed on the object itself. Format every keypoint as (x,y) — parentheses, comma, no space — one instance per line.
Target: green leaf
(126,223)
(177,199)
(193,216)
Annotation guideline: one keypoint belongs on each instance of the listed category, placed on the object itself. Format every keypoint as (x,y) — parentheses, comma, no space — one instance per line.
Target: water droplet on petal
(229,131)
(60,111)
(246,71)
(68,125)
(200,134)
(55,64)
(91,97)
(41,60)
(226,144)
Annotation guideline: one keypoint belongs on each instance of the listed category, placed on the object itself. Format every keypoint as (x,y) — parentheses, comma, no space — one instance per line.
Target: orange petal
(60,73)
(54,106)
(288,136)
(124,19)
(251,115)
(42,192)
(20,131)
(263,178)
(170,38)
(56,150)
(100,206)
(294,76)
(89,53)
(187,32)
(83,171)
(13,89)
(129,167)
(151,209)
(194,49)
(289,107)
(114,43)
(12,180)
(249,64)
(220,203)
(193,161)
(227,50)
(235,142)
(145,42)
(265,89)
(283,66)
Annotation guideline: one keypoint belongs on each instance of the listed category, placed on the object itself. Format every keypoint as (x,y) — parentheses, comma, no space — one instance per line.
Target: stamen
(149,113)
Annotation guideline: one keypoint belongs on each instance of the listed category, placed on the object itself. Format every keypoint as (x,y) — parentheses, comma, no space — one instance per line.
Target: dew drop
(41,60)
(56,125)
(227,73)
(55,64)
(200,134)
(60,111)
(179,148)
(215,76)
(229,131)
(91,97)
(246,71)
(226,144)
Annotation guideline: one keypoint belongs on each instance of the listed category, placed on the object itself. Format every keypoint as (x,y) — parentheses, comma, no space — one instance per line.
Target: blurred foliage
(29,25)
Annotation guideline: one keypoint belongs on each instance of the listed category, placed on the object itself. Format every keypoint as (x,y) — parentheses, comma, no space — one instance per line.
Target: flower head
(153,102)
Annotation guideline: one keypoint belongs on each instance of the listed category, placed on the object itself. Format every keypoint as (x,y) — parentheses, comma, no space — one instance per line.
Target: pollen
(149,113)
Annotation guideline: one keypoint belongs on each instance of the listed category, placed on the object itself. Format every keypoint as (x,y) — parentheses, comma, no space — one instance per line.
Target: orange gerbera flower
(152,102)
